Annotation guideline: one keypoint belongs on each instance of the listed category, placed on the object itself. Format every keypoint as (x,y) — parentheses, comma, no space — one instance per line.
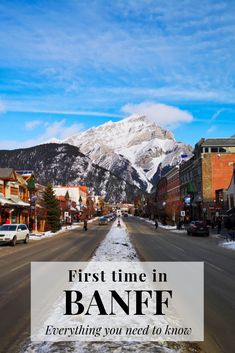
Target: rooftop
(7,174)
(223,142)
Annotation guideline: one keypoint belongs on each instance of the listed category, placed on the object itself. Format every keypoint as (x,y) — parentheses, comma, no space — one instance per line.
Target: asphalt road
(162,245)
(75,245)
(151,245)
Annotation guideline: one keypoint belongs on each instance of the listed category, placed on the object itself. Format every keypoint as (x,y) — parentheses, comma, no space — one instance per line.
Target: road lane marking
(18,267)
(177,247)
(215,267)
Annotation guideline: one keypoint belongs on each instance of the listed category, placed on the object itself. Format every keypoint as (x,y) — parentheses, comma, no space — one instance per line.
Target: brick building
(173,202)
(231,191)
(161,198)
(209,170)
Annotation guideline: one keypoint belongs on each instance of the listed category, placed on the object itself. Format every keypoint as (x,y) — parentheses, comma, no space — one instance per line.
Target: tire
(13,242)
(26,239)
(188,232)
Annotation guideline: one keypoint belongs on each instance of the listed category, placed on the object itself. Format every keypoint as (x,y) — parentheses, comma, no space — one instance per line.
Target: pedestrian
(8,220)
(85,224)
(179,224)
(156,224)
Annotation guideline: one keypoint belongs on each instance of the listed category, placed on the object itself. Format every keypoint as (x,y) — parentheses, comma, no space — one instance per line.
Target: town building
(14,197)
(161,198)
(231,191)
(37,212)
(173,204)
(73,201)
(209,170)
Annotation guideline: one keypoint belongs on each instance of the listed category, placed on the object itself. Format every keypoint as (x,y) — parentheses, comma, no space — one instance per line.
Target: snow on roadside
(173,229)
(228,245)
(49,234)
(115,247)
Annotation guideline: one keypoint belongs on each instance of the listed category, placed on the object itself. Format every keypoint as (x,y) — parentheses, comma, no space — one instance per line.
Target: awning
(4,201)
(18,202)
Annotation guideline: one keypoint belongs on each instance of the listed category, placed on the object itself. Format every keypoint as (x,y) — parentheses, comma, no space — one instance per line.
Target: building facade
(231,191)
(173,201)
(161,198)
(209,170)
(14,197)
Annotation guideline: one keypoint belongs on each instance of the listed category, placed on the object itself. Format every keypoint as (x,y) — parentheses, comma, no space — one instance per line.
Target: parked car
(11,233)
(103,221)
(198,228)
(125,214)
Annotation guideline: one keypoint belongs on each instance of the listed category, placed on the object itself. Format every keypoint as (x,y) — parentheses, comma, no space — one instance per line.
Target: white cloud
(58,130)
(212,129)
(216,114)
(22,108)
(30,125)
(162,114)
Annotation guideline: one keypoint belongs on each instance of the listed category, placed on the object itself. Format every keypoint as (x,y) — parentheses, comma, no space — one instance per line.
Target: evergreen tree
(52,207)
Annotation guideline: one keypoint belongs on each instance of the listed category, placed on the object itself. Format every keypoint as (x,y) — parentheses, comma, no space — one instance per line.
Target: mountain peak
(132,147)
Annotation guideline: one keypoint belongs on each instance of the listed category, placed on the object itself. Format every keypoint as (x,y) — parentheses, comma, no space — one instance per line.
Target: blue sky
(68,65)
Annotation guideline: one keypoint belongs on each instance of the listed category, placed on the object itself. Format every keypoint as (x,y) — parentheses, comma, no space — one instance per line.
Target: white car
(11,233)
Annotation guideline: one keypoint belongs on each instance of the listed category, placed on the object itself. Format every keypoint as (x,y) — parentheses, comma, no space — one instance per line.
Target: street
(163,245)
(151,245)
(75,245)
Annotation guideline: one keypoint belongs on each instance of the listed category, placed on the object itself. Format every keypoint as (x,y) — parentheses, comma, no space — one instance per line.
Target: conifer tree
(51,205)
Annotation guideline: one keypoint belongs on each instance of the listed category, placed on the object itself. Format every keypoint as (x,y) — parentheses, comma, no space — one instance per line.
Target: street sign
(182,213)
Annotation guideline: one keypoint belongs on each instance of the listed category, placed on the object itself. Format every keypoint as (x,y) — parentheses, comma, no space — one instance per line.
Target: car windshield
(8,227)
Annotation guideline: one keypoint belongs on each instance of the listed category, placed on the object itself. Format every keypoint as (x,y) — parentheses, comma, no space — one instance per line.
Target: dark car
(198,228)
(103,221)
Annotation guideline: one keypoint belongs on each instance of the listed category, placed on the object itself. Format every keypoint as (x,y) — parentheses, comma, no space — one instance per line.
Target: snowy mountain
(63,164)
(135,149)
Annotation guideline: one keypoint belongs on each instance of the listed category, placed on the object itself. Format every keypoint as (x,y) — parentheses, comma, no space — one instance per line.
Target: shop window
(214,149)
(222,150)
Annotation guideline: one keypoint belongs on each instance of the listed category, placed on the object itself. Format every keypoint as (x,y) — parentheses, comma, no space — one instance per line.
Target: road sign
(182,213)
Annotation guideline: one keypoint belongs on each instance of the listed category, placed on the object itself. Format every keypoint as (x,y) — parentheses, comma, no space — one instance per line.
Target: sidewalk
(42,235)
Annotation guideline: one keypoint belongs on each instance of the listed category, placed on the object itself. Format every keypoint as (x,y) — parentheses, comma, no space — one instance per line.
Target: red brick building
(209,170)
(161,197)
(173,203)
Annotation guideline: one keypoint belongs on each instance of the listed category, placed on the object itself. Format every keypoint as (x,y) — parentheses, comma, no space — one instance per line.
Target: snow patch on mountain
(132,148)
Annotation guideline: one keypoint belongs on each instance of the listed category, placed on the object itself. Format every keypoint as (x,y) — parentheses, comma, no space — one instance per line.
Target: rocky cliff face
(63,164)
(134,149)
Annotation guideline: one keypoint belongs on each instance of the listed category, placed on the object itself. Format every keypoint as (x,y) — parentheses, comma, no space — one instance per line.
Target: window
(222,150)
(8,227)
(214,149)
